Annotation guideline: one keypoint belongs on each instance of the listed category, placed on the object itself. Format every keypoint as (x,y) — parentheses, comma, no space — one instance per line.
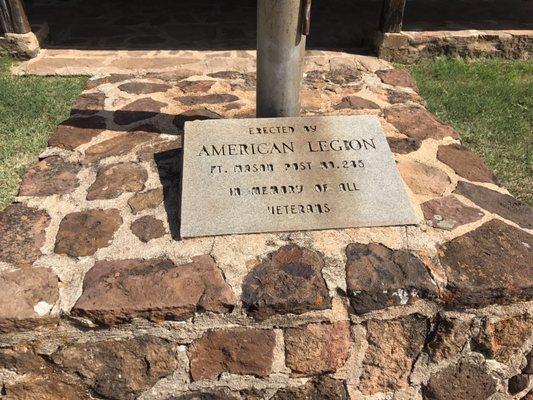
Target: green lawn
(30,108)
(489,103)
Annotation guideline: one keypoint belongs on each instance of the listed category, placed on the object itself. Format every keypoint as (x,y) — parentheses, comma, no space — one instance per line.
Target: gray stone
(269,175)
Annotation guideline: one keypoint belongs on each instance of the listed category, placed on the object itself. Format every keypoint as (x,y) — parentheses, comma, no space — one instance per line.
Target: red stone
(490,265)
(397,77)
(89,103)
(26,298)
(117,291)
(448,213)
(243,351)
(76,131)
(418,123)
(50,176)
(22,234)
(378,277)
(495,202)
(287,281)
(465,163)
(147,228)
(83,233)
(146,200)
(118,145)
(116,179)
(317,348)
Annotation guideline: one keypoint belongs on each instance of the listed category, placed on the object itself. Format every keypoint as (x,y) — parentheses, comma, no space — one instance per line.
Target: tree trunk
(392,16)
(13,17)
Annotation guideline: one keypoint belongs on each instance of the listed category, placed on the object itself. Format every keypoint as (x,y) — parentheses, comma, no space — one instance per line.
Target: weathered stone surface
(448,213)
(193,115)
(195,86)
(502,204)
(88,103)
(121,368)
(397,77)
(423,179)
(207,99)
(356,103)
(243,351)
(143,87)
(503,339)
(518,383)
(418,123)
(45,388)
(403,145)
(460,381)
(50,176)
(324,388)
(76,131)
(395,96)
(378,277)
(117,291)
(317,348)
(465,163)
(26,298)
(146,200)
(393,346)
(118,145)
(449,337)
(138,110)
(490,265)
(22,233)
(528,369)
(116,179)
(83,233)
(147,228)
(113,78)
(22,359)
(287,281)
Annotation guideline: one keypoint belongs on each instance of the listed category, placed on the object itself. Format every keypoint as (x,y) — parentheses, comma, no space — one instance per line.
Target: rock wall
(100,299)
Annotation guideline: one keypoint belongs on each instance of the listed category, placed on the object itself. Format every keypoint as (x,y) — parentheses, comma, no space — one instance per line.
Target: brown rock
(465,163)
(448,213)
(423,179)
(22,233)
(528,369)
(324,388)
(243,351)
(356,103)
(138,110)
(45,388)
(117,291)
(207,99)
(50,176)
(378,277)
(146,200)
(76,131)
(502,340)
(418,123)
(403,145)
(502,204)
(518,383)
(83,233)
(195,86)
(88,103)
(119,368)
(397,77)
(490,265)
(239,80)
(194,115)
(26,298)
(118,145)
(449,337)
(143,87)
(22,359)
(114,78)
(113,180)
(317,348)
(287,281)
(147,228)
(461,381)
(397,96)
(393,347)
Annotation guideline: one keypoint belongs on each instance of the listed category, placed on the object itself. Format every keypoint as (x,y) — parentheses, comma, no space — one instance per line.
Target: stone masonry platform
(101,299)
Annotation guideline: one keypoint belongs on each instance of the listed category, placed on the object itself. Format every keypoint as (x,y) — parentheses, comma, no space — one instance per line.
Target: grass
(489,102)
(30,108)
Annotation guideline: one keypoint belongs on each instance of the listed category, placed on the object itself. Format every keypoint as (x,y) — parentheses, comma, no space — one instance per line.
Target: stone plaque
(289,174)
